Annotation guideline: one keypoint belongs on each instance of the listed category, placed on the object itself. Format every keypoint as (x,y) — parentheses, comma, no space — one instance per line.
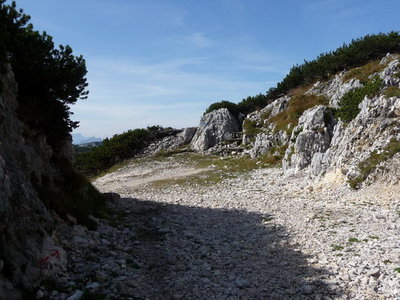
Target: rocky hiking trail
(255,235)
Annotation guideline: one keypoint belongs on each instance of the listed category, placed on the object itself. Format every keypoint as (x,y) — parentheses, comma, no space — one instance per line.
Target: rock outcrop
(310,138)
(322,144)
(176,139)
(335,88)
(216,126)
(263,141)
(27,251)
(371,131)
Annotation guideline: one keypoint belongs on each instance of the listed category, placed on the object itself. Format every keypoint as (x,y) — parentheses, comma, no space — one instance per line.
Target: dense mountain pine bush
(118,148)
(49,78)
(357,53)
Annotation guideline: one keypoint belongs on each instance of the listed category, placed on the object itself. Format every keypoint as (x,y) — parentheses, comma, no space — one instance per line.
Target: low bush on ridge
(116,149)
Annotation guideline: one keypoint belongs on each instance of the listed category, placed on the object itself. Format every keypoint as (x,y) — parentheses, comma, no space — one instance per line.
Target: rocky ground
(256,235)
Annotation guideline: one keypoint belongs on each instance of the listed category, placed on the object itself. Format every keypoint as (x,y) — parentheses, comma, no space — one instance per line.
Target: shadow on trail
(201,253)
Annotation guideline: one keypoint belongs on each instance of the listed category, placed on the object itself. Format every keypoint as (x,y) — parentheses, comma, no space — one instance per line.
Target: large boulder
(215,127)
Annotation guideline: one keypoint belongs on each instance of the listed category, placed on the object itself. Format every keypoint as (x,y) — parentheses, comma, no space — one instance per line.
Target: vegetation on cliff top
(116,149)
(49,78)
(357,53)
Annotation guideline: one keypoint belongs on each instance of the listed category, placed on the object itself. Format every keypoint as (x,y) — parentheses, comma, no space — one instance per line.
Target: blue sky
(163,62)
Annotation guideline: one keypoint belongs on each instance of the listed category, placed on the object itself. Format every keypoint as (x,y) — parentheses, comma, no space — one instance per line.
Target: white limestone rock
(310,138)
(334,89)
(215,127)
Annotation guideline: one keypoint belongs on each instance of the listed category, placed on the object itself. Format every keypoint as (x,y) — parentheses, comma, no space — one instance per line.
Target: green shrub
(116,149)
(72,194)
(363,52)
(369,165)
(348,105)
(232,107)
(357,53)
(49,79)
(245,106)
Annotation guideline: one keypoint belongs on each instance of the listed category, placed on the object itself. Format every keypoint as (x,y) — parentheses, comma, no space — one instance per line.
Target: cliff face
(27,251)
(360,150)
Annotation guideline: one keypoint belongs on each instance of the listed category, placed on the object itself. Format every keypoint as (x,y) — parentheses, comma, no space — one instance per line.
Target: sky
(163,62)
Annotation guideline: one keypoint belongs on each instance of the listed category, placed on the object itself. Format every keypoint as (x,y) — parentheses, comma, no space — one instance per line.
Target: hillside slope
(348,125)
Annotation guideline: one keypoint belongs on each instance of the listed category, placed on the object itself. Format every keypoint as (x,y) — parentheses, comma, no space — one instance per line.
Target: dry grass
(370,164)
(218,169)
(363,73)
(392,91)
(251,128)
(288,119)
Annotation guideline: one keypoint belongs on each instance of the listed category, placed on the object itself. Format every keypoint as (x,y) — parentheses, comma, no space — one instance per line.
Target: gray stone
(216,126)
(26,164)
(93,285)
(335,88)
(310,138)
(175,139)
(242,283)
(76,295)
(307,289)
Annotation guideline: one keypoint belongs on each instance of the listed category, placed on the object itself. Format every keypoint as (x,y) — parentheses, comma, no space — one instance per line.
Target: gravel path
(256,236)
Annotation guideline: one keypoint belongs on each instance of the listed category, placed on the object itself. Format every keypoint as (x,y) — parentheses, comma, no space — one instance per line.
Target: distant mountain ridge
(78,139)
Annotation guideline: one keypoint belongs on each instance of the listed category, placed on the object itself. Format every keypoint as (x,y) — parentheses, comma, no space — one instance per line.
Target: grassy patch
(354,240)
(348,105)
(266,114)
(337,248)
(392,91)
(397,270)
(167,153)
(215,168)
(251,128)
(369,165)
(112,169)
(268,219)
(288,119)
(274,156)
(363,73)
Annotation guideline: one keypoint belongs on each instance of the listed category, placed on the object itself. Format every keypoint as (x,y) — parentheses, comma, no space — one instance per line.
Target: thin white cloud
(128,93)
(199,39)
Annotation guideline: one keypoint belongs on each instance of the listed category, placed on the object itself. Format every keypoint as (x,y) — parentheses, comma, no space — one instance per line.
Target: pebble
(76,296)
